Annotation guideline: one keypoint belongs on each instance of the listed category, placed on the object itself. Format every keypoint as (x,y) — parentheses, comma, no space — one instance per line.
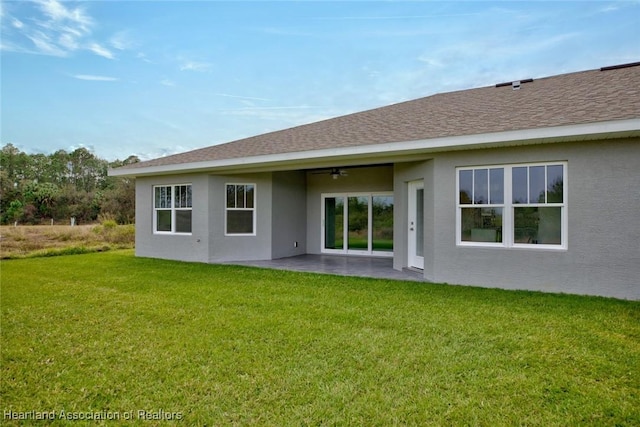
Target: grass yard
(112,334)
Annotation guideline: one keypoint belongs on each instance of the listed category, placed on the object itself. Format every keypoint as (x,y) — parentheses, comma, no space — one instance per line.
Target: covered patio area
(380,268)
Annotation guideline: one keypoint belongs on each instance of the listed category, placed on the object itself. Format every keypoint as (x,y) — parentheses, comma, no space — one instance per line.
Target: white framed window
(512,205)
(172,209)
(240,210)
(481,205)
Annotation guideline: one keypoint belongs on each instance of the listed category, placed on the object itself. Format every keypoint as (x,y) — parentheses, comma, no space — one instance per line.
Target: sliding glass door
(333,221)
(358,223)
(382,223)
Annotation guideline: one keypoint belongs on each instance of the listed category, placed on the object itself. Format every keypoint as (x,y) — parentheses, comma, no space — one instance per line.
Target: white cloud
(121,41)
(68,42)
(194,66)
(101,51)
(45,45)
(17,23)
(167,82)
(94,78)
(291,116)
(143,57)
(250,98)
(392,17)
(55,28)
(609,8)
(59,12)
(492,48)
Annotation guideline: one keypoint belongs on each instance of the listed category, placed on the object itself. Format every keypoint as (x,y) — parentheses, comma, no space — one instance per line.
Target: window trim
(173,209)
(508,213)
(487,205)
(253,209)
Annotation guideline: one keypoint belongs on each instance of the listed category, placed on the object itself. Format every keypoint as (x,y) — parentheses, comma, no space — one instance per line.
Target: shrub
(123,234)
(109,224)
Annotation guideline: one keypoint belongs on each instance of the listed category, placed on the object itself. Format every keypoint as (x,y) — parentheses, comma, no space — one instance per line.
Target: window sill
(517,247)
(168,233)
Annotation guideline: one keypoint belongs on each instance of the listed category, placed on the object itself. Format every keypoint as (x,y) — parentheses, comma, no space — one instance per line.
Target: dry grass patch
(39,240)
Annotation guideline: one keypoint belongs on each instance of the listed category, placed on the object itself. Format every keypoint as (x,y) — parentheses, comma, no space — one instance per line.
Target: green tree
(42,196)
(60,168)
(15,163)
(87,171)
(119,201)
(14,212)
(62,185)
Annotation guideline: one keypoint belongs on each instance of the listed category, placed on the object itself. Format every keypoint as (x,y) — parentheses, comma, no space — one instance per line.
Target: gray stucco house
(532,184)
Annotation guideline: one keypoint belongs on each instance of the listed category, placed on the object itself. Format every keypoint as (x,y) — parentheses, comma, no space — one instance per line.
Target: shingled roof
(595,96)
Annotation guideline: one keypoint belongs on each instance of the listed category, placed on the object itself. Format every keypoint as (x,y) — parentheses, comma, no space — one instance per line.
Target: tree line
(39,188)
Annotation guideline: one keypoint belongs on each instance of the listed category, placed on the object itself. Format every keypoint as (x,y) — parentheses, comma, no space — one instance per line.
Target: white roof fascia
(604,130)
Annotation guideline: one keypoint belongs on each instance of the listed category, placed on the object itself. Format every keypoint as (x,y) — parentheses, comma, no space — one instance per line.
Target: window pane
(183,196)
(231,196)
(358,223)
(163,220)
(162,197)
(480,187)
(189,198)
(180,196)
(496,182)
(382,227)
(183,221)
(239,196)
(482,225)
(550,226)
(466,187)
(520,185)
(554,184)
(239,222)
(250,195)
(537,193)
(166,197)
(157,197)
(333,223)
(538,225)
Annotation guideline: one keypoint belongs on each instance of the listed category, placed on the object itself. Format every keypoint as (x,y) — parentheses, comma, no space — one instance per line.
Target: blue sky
(153,78)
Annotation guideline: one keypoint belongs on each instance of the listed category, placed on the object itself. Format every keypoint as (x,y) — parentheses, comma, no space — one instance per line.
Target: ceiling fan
(334,172)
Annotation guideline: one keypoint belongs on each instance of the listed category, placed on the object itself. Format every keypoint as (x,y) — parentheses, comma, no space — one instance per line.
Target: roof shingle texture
(568,99)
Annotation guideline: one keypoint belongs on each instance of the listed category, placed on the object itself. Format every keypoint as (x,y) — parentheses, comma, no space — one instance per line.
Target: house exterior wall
(365,179)
(280,219)
(602,256)
(603,208)
(223,248)
(183,247)
(289,217)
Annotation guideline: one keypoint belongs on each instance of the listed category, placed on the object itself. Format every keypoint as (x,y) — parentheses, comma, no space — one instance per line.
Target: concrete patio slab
(381,268)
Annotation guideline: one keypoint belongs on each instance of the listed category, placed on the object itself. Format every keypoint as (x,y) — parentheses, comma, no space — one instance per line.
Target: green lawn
(226,345)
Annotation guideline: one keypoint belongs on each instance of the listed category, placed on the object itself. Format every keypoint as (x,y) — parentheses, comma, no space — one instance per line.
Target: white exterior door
(416,224)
